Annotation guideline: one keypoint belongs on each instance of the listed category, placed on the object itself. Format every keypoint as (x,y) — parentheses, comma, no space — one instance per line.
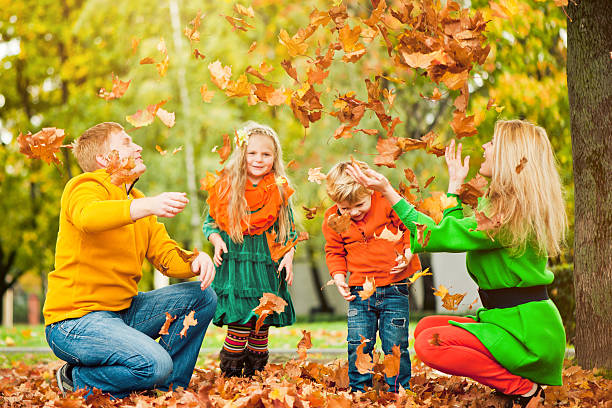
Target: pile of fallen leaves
(298,384)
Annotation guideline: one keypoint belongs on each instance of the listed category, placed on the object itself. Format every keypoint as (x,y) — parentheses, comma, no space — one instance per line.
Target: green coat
(529,339)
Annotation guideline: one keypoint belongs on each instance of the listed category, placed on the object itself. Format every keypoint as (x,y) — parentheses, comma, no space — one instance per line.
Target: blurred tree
(588,75)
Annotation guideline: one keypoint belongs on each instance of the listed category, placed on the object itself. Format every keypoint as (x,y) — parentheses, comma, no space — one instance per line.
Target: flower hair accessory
(242,137)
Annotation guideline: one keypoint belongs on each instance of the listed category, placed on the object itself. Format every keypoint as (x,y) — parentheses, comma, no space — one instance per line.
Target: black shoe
(511,400)
(255,362)
(523,401)
(64,379)
(231,363)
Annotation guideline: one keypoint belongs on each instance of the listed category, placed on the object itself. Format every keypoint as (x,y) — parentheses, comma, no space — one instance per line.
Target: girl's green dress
(528,339)
(247,272)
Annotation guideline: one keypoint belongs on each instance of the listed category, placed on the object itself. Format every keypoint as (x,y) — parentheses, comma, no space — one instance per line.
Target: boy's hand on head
(220,248)
(163,205)
(203,266)
(343,287)
(287,263)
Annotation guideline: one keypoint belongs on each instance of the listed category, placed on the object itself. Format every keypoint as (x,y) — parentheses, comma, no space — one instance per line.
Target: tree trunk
(589,65)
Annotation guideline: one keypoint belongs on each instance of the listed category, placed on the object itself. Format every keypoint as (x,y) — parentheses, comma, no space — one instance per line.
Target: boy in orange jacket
(372,247)
(96,320)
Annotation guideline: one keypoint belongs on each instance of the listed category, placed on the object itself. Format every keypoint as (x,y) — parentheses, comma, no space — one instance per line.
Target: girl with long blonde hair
(250,224)
(516,342)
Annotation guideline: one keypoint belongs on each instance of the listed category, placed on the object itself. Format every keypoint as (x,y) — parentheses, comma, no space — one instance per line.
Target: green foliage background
(65,51)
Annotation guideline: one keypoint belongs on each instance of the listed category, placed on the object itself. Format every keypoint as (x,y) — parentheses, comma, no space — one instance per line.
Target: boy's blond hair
(92,142)
(341,187)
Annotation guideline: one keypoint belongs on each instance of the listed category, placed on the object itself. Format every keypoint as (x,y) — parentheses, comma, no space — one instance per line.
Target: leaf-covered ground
(297,384)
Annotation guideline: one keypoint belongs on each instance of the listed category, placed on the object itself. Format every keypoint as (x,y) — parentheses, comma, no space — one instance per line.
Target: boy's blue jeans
(386,311)
(116,352)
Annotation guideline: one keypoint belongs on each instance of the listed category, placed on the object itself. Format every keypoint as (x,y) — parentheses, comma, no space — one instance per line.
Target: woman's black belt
(510,297)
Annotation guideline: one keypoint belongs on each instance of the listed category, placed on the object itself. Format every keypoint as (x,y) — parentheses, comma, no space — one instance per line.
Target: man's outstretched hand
(203,266)
(163,205)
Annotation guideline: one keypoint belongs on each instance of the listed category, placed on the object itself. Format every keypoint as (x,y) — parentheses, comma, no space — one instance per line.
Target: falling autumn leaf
(422,237)
(167,323)
(339,223)
(486,224)
(252,47)
(310,212)
(42,145)
(388,152)
(364,362)
(418,275)
(521,165)
(391,362)
(191,31)
(238,23)
(277,249)
(135,42)
(315,175)
(206,94)
(226,149)
(120,169)
(219,74)
(198,55)
(369,287)
(160,150)
(472,190)
(118,90)
(147,60)
(188,322)
(295,46)
(177,149)
(208,181)
(462,125)
(388,235)
(245,11)
(166,117)
(268,304)
(499,10)
(304,344)
(449,302)
(429,181)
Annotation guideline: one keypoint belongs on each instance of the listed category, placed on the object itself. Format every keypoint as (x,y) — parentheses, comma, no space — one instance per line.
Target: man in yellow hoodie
(96,320)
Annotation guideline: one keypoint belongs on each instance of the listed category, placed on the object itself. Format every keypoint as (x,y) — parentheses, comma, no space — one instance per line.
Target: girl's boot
(232,364)
(255,362)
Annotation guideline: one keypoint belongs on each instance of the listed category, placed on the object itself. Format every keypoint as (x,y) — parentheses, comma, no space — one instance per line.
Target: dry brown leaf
(118,90)
(311,212)
(392,362)
(206,94)
(315,175)
(364,362)
(166,325)
(388,152)
(339,223)
(219,74)
(449,302)
(120,170)
(422,237)
(521,165)
(268,304)
(369,288)
(472,190)
(189,321)
(388,235)
(42,145)
(304,345)
(225,150)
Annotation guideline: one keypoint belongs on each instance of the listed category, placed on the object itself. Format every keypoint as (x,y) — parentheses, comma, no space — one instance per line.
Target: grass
(324,335)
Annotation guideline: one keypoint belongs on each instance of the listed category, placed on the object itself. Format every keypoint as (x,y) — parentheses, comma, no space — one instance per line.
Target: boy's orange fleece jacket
(359,252)
(100,250)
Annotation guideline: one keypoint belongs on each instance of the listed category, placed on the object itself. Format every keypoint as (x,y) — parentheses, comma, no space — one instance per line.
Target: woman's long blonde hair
(236,171)
(528,199)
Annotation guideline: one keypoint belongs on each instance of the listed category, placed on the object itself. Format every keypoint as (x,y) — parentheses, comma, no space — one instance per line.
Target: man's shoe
(64,379)
(537,395)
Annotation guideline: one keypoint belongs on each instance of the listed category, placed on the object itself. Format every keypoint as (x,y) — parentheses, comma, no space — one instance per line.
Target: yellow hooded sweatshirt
(100,250)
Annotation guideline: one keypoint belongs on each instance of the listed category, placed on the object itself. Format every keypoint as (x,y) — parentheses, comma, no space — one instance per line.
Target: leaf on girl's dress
(186,256)
(418,275)
(166,325)
(422,237)
(268,304)
(369,287)
(339,223)
(188,322)
(435,339)
(304,344)
(388,235)
(364,362)
(392,362)
(450,302)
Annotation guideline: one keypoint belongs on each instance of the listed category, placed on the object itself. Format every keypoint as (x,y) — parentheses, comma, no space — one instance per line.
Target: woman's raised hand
(374,181)
(457,172)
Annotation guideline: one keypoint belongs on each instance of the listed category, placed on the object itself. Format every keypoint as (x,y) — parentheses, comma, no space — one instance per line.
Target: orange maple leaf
(225,150)
(450,302)
(188,322)
(42,145)
(208,181)
(241,87)
(304,344)
(118,90)
(192,32)
(315,175)
(364,362)
(472,190)
(369,287)
(166,325)
(120,169)
(268,304)
(391,362)
(462,125)
(388,152)
(219,74)
(294,45)
(310,212)
(206,94)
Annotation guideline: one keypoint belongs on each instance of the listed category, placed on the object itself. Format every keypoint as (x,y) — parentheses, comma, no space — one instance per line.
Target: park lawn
(324,335)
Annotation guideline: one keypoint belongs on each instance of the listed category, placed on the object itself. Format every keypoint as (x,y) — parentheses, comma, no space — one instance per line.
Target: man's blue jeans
(386,311)
(116,352)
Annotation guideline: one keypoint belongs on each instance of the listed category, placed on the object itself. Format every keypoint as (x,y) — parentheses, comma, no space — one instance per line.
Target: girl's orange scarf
(264,202)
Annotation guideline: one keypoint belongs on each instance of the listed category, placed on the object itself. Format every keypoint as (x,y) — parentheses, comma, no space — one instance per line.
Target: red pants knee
(456,351)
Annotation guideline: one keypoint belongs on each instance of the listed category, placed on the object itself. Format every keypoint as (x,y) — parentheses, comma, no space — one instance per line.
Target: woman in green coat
(516,342)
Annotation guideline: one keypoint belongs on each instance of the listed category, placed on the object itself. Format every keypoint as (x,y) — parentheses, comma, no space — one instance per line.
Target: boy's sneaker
(64,379)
